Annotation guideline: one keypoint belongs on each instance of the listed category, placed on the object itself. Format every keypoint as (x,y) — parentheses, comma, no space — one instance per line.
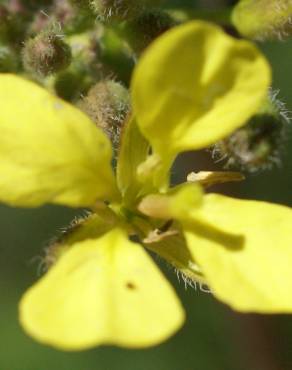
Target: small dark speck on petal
(131,286)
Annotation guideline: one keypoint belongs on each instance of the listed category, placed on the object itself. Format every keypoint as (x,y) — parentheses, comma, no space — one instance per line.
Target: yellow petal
(49,150)
(102,291)
(195,85)
(257,276)
(263,19)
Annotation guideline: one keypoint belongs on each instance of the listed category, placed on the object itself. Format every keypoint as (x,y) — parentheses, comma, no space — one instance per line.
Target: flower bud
(143,29)
(107,104)
(46,53)
(257,145)
(116,10)
(263,19)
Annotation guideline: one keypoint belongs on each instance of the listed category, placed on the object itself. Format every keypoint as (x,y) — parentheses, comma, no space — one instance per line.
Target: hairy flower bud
(263,19)
(46,53)
(108,104)
(142,30)
(116,10)
(258,144)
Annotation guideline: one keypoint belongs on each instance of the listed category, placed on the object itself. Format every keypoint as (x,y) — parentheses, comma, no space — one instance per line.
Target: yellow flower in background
(263,19)
(192,87)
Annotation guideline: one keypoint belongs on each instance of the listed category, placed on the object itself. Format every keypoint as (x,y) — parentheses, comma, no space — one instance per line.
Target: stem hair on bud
(116,10)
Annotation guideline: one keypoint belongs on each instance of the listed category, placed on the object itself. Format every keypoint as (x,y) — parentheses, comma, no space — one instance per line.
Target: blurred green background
(213,338)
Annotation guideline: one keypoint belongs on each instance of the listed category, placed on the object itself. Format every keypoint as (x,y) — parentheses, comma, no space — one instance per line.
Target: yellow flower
(192,87)
(263,19)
